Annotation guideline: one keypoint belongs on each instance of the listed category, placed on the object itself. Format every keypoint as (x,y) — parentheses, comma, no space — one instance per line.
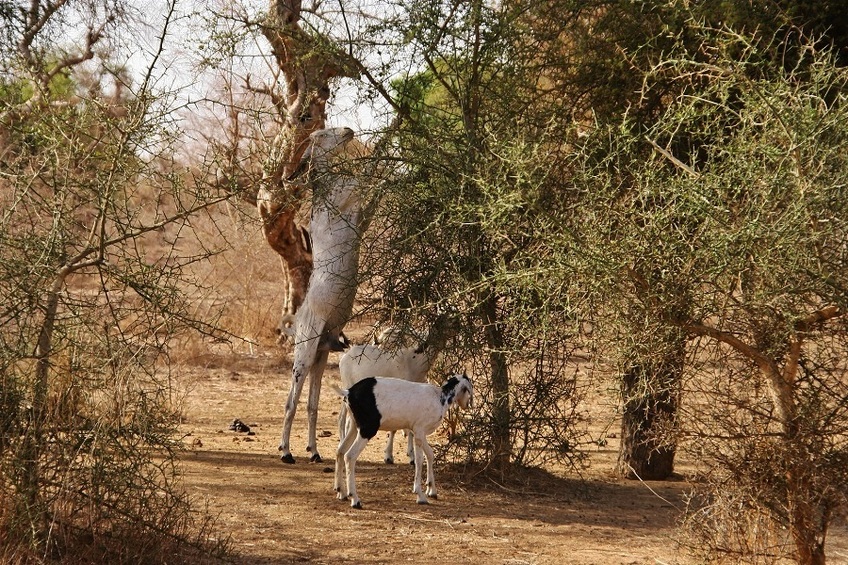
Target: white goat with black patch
(379,403)
(407,363)
(337,222)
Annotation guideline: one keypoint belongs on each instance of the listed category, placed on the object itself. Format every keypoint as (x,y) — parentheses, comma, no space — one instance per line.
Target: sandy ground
(278,513)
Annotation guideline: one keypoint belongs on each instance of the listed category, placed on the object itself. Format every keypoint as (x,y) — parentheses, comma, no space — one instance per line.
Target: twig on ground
(655,493)
(514,491)
(420,519)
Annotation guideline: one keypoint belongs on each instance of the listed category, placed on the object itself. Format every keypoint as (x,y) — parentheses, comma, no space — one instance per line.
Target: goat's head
(324,144)
(327,142)
(460,390)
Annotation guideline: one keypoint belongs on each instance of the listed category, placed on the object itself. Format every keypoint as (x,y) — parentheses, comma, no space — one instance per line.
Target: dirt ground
(278,513)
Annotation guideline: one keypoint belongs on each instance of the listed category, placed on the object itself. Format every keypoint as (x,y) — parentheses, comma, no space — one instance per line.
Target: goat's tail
(343,392)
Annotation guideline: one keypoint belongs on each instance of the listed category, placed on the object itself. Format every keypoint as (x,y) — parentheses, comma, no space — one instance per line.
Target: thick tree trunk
(650,395)
(807,532)
(307,70)
(292,243)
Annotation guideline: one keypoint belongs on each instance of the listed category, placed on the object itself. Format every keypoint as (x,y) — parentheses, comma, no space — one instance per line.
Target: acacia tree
(611,50)
(462,226)
(750,229)
(87,416)
(787,149)
(606,49)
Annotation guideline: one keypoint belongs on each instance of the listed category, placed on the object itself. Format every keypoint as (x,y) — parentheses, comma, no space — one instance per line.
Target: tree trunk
(35,436)
(809,541)
(292,243)
(502,447)
(650,395)
(806,530)
(307,69)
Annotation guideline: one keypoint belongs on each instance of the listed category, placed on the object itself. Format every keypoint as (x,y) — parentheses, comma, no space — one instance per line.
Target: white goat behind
(388,404)
(337,223)
(407,363)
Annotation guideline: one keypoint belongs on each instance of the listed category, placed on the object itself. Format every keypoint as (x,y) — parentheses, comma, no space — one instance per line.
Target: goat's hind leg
(305,351)
(346,442)
(315,376)
(389,456)
(288,419)
(410,446)
(390,448)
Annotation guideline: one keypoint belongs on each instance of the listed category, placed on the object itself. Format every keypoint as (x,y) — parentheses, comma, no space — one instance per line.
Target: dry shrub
(117,505)
(546,423)
(239,287)
(106,474)
(724,525)
(113,510)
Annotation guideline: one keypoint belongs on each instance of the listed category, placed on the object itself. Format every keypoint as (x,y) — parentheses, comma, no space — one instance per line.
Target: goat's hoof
(316,459)
(357,505)
(423,502)
(434,496)
(389,461)
(287,458)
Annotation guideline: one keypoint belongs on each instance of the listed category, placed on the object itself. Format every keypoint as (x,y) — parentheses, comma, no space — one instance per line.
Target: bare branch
(674,160)
(817,318)
(766,364)
(277,100)
(36,18)
(91,38)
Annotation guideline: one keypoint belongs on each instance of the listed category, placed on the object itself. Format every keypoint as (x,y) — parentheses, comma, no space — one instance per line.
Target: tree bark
(807,532)
(502,447)
(650,395)
(35,437)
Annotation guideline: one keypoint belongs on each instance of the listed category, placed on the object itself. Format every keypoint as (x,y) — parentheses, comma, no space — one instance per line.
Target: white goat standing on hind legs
(337,222)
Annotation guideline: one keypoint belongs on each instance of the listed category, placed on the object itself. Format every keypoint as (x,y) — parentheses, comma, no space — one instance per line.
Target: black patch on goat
(363,405)
(449,390)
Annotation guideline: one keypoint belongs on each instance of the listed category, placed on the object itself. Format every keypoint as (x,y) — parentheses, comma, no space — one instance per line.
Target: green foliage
(463,228)
(728,212)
